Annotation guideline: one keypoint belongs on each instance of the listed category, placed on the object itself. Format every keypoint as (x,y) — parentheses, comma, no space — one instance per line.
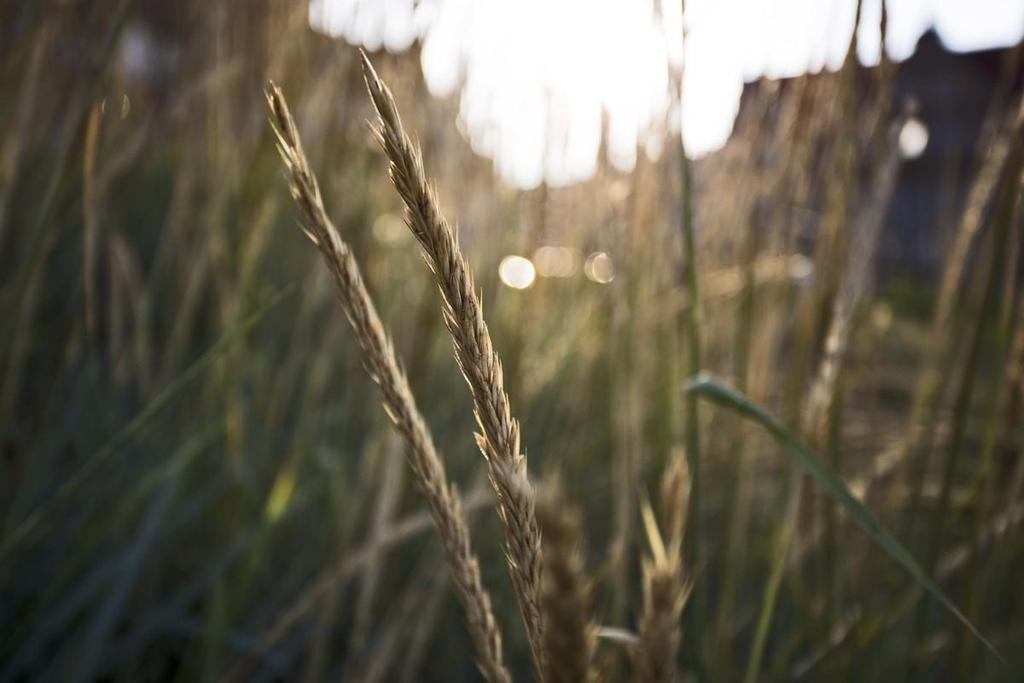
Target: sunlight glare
(599,268)
(516,272)
(542,83)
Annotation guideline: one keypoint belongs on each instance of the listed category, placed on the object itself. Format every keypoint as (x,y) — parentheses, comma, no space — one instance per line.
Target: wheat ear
(498,437)
(567,595)
(664,587)
(428,471)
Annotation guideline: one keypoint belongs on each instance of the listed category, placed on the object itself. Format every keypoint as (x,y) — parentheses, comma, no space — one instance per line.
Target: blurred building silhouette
(954,94)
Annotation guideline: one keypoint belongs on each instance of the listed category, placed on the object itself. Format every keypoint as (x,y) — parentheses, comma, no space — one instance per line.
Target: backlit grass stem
(428,471)
(498,437)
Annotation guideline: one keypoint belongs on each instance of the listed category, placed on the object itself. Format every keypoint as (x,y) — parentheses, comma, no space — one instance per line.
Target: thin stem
(965,390)
(694,322)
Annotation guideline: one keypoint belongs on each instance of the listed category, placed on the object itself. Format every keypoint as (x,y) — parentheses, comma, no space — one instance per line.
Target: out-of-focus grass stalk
(42,235)
(837,490)
(813,303)
(567,592)
(822,392)
(333,579)
(664,596)
(694,316)
(815,313)
(19,130)
(834,271)
(137,426)
(89,218)
(781,544)
(103,625)
(1009,439)
(1001,402)
(880,146)
(389,461)
(627,428)
(694,320)
(795,179)
(932,381)
(830,545)
(1008,319)
(401,618)
(739,494)
(1002,251)
(969,373)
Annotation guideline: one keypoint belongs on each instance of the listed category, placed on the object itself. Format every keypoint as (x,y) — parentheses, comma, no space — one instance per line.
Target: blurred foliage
(194,458)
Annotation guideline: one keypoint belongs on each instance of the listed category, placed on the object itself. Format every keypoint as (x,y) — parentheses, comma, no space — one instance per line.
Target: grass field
(712,444)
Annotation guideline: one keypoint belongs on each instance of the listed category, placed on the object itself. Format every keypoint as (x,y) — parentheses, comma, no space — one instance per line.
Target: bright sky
(540,79)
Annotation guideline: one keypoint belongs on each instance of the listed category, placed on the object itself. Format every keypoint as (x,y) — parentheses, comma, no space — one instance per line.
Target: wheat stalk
(567,595)
(428,470)
(664,587)
(498,437)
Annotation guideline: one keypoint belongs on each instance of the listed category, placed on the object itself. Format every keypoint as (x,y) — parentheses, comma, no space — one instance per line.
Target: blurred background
(197,482)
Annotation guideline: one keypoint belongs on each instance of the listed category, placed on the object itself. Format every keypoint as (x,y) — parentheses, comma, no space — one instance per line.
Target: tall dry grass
(428,470)
(499,438)
(567,593)
(665,589)
(195,486)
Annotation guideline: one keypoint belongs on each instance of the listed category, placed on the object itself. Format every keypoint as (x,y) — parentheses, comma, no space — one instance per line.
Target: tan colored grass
(665,588)
(498,437)
(567,594)
(856,283)
(675,497)
(428,471)
(979,197)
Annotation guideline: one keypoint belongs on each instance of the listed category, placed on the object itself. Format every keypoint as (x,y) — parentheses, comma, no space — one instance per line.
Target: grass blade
(726,396)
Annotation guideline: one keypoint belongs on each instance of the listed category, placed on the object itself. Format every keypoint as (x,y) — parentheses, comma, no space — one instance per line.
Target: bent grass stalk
(834,487)
(932,381)
(821,395)
(428,471)
(1008,320)
(965,387)
(498,437)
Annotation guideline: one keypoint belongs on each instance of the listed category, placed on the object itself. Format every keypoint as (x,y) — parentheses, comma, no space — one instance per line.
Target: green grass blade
(726,396)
